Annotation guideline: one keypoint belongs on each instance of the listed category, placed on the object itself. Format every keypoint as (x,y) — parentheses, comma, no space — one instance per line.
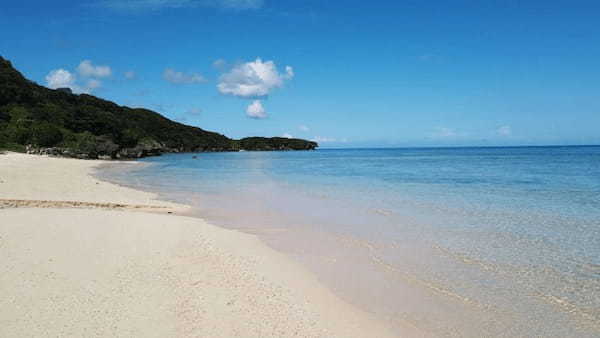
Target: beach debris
(10,203)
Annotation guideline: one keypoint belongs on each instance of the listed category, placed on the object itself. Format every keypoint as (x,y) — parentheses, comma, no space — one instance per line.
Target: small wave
(590,319)
(383,212)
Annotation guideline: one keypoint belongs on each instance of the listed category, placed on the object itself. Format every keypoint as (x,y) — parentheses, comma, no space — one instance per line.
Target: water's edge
(446,270)
(193,211)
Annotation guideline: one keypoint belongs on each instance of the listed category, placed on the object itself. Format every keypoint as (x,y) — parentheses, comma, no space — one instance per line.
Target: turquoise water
(472,242)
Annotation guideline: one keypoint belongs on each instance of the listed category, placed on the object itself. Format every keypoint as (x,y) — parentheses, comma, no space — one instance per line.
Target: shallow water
(471,242)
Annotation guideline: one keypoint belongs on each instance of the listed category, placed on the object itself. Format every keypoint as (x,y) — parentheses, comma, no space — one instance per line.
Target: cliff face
(57,122)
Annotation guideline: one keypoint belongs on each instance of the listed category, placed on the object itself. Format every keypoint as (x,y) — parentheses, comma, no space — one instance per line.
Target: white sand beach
(81,257)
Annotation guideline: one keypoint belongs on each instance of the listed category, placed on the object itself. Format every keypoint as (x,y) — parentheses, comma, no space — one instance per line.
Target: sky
(344,73)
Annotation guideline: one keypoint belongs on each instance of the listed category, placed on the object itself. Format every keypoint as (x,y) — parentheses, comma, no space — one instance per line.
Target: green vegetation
(275,143)
(35,117)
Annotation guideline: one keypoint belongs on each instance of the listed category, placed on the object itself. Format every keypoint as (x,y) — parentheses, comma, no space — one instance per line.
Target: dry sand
(78,259)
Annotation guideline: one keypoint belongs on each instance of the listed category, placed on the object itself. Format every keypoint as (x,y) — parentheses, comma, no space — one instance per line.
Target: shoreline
(100,268)
(406,271)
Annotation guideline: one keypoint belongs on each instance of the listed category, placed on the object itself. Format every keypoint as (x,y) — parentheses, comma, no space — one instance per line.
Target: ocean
(457,242)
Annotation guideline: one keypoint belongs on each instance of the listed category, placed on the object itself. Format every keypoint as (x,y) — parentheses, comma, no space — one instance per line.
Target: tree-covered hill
(58,122)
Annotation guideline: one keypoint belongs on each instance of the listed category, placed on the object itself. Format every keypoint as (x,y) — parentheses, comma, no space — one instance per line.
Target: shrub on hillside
(44,134)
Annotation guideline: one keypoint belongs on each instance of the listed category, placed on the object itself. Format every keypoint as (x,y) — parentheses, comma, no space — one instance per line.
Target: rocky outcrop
(275,143)
(143,149)
(104,151)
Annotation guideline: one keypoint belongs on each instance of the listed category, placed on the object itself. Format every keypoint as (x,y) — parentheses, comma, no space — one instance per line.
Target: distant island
(39,120)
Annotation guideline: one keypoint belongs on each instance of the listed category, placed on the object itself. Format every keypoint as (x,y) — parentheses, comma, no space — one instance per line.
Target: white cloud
(130,75)
(88,81)
(321,139)
(87,69)
(443,132)
(303,128)
(289,73)
(253,79)
(61,78)
(92,84)
(133,5)
(504,131)
(176,77)
(219,64)
(287,135)
(256,110)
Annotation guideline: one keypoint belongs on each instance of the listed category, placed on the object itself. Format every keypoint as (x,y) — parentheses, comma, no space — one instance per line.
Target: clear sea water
(465,242)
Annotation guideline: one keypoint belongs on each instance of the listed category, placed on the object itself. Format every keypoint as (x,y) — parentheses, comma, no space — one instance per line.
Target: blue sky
(346,73)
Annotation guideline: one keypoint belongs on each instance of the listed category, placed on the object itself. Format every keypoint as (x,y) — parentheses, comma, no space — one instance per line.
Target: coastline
(406,253)
(114,261)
